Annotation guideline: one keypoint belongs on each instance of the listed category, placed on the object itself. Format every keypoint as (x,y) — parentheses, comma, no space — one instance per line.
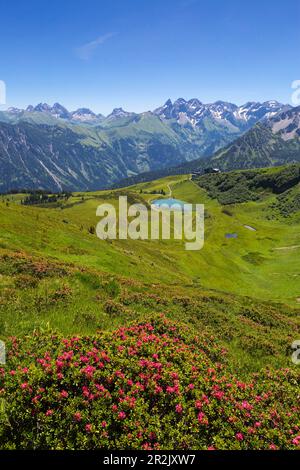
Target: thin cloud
(86,51)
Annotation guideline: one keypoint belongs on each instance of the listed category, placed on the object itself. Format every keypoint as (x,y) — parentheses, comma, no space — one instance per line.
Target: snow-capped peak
(193,112)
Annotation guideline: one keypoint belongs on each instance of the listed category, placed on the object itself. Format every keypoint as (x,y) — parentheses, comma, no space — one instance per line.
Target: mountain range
(49,147)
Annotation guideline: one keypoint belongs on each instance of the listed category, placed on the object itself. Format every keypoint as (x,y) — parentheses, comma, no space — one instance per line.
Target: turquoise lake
(171,203)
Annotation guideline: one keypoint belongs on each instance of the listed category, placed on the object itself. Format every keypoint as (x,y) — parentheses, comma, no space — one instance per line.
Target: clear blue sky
(137,53)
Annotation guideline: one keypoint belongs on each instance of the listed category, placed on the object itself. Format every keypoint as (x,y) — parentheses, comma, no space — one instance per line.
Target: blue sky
(137,53)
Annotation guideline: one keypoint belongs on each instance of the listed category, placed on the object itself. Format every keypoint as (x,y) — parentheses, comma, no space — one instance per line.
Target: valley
(259,264)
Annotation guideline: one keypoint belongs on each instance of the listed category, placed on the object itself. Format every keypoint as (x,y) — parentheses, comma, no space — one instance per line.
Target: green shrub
(25,281)
(112,288)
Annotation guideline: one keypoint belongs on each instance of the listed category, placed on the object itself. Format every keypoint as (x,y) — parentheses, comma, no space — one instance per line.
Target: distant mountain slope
(274,142)
(86,158)
(260,147)
(50,148)
(34,156)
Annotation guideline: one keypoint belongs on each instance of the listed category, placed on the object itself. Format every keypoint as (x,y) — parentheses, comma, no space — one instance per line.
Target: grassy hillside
(251,185)
(259,147)
(241,294)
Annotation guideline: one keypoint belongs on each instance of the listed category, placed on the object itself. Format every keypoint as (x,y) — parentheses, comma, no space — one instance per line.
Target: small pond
(231,235)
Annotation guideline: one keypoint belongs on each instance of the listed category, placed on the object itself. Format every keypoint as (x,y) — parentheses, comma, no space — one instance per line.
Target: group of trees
(42,197)
(159,191)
